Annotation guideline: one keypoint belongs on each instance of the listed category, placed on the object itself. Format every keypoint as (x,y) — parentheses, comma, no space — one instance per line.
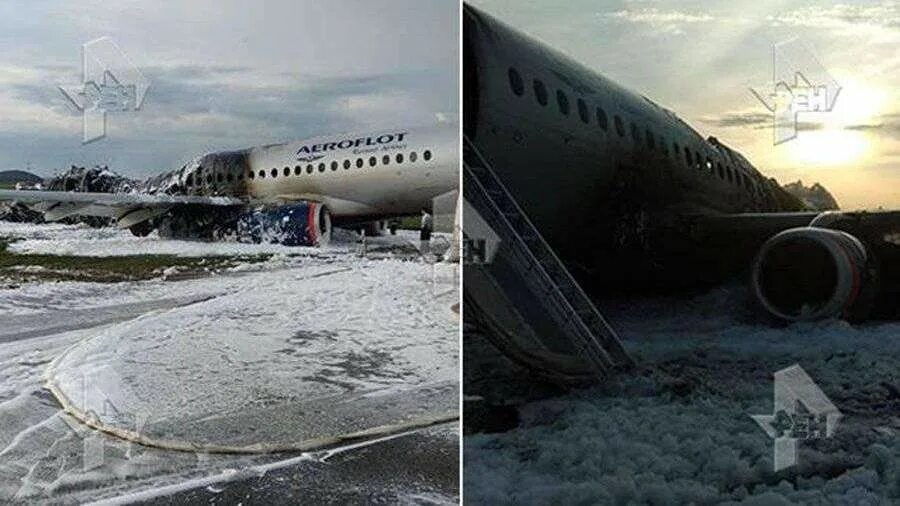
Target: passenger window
(540,92)
(346,164)
(664,146)
(635,134)
(287,171)
(359,163)
(583,111)
(721,171)
(413,156)
(651,142)
(729,174)
(322,167)
(298,170)
(219,177)
(334,165)
(189,180)
(515,82)
(274,172)
(386,159)
(620,127)
(687,157)
(563,102)
(229,177)
(262,174)
(309,168)
(602,119)
(372,161)
(251,174)
(426,155)
(399,157)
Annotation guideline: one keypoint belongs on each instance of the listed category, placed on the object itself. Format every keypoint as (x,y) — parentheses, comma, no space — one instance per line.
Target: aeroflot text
(352,143)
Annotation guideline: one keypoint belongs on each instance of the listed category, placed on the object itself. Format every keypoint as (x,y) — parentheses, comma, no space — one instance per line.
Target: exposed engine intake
(811,273)
(302,224)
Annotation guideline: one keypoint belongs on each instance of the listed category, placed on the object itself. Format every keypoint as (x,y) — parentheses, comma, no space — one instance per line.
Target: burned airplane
(291,193)
(591,188)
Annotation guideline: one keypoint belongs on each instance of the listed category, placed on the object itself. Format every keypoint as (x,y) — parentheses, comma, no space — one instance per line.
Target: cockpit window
(515,82)
(620,127)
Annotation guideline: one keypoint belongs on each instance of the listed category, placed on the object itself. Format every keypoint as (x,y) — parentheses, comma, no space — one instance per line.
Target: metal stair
(533,259)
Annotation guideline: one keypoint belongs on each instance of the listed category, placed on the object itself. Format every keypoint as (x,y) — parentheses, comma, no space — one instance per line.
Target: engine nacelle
(811,273)
(300,224)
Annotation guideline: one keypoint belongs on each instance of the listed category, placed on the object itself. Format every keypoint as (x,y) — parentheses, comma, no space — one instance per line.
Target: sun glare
(837,142)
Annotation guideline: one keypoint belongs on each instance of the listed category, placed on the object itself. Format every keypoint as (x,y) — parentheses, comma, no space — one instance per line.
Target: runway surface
(263,357)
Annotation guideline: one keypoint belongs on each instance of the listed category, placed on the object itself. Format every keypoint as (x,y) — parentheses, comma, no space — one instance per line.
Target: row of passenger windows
(517,84)
(399,158)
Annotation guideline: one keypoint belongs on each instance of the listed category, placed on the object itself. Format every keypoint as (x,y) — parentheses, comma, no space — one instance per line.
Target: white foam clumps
(283,350)
(679,430)
(59,239)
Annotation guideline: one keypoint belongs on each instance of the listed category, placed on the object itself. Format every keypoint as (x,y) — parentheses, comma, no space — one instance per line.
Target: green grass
(108,269)
(7,186)
(410,222)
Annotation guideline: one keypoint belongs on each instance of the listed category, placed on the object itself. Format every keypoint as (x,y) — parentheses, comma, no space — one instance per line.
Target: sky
(700,58)
(222,75)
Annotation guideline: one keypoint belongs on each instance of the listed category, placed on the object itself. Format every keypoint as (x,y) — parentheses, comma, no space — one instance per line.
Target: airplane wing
(128,209)
(764,225)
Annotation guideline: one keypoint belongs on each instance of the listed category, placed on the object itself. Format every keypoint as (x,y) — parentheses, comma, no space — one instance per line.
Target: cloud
(883,19)
(671,22)
(888,126)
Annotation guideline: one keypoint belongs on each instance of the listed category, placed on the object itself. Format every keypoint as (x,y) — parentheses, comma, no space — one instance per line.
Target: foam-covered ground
(678,430)
(310,344)
(61,239)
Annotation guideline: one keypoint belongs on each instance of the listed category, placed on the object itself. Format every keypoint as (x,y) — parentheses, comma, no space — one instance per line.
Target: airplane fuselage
(594,164)
(382,173)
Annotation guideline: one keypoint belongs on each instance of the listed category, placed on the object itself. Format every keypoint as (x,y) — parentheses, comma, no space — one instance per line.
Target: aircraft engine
(811,273)
(299,224)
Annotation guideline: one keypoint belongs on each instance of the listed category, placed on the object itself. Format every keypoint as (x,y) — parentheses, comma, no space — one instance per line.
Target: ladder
(545,275)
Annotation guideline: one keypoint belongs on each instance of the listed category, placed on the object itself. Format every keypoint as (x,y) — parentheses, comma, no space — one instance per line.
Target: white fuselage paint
(384,172)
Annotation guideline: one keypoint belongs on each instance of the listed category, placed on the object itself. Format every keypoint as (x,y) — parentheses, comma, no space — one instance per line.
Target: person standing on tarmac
(425,232)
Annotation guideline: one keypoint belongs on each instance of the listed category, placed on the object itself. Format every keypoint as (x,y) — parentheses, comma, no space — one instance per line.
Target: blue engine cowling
(301,224)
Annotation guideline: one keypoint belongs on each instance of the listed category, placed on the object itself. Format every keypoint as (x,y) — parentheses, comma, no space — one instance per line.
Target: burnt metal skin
(624,212)
(358,177)
(348,180)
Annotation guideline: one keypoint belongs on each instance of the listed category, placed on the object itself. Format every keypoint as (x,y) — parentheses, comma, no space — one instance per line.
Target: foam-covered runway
(316,349)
